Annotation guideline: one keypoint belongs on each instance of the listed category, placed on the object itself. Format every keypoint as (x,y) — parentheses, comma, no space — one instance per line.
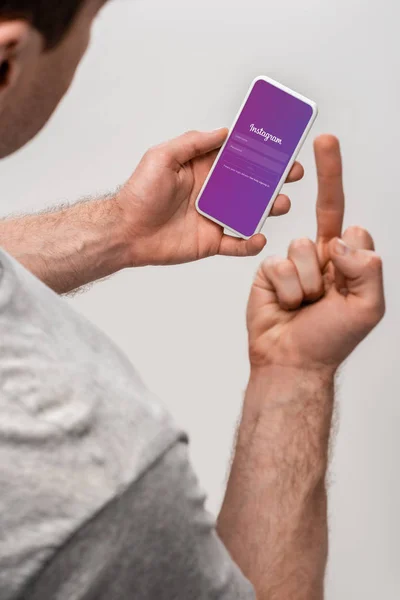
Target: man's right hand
(310,310)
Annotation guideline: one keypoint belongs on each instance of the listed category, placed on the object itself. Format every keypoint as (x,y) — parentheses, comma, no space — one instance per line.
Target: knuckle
(356,230)
(302,244)
(150,152)
(192,132)
(314,292)
(163,154)
(375,264)
(270,262)
(359,236)
(292,302)
(154,152)
(284,268)
(375,311)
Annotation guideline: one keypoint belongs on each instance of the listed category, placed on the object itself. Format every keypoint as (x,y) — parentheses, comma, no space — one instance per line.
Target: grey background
(157,68)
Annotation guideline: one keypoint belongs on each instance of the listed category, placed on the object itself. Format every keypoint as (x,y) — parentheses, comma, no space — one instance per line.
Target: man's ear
(14,37)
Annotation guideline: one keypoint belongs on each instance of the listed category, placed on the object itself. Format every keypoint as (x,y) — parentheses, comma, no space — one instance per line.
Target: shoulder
(77,424)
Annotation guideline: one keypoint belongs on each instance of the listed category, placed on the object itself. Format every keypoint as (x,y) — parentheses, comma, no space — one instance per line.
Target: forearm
(274,517)
(69,247)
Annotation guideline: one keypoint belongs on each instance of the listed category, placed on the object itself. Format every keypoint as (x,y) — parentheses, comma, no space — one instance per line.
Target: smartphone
(254,162)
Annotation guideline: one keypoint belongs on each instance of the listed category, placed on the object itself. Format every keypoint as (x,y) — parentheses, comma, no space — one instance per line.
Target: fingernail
(341,247)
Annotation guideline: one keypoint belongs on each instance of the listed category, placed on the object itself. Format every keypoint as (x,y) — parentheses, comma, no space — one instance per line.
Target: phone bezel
(288,168)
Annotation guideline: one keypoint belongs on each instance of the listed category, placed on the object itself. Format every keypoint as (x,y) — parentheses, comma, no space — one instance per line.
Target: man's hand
(158,204)
(151,221)
(306,313)
(311,309)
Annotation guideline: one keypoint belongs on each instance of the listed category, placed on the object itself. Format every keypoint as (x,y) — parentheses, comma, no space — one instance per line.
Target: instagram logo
(267,136)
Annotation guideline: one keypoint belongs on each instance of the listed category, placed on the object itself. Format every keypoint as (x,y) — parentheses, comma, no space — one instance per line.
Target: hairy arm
(151,220)
(274,517)
(69,247)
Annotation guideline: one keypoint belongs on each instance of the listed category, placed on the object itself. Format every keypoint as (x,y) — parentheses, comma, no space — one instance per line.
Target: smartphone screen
(253,164)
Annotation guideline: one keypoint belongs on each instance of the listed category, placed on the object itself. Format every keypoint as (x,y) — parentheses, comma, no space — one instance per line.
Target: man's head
(41,45)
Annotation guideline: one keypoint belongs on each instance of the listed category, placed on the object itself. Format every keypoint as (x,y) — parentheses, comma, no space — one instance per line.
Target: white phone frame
(288,168)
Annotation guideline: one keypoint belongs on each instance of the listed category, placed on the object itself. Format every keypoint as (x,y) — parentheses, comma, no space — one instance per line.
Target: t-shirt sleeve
(156,540)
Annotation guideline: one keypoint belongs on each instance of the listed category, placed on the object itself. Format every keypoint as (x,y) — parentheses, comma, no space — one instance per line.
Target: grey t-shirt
(98,499)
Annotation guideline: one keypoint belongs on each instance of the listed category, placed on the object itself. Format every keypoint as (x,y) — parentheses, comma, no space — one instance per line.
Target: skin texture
(152,220)
(37,80)
(160,222)
(138,225)
(306,314)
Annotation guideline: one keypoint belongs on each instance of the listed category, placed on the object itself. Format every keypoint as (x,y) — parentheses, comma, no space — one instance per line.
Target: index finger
(191,145)
(330,200)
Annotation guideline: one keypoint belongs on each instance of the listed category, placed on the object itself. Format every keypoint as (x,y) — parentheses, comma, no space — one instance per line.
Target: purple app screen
(255,157)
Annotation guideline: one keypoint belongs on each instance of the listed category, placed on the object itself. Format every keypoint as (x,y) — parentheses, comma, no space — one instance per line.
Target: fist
(308,317)
(311,309)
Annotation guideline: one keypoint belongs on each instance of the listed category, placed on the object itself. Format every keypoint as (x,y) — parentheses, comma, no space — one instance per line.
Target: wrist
(287,376)
(123,238)
(136,252)
(284,360)
(276,387)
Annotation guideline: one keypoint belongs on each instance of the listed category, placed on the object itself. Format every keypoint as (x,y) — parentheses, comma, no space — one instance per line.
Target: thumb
(362,270)
(194,143)
(231,246)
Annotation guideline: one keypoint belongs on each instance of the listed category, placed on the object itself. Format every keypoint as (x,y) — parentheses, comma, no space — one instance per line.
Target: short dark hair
(52,18)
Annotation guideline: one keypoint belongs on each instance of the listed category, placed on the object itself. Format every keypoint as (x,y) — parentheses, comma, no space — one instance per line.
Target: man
(98,499)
